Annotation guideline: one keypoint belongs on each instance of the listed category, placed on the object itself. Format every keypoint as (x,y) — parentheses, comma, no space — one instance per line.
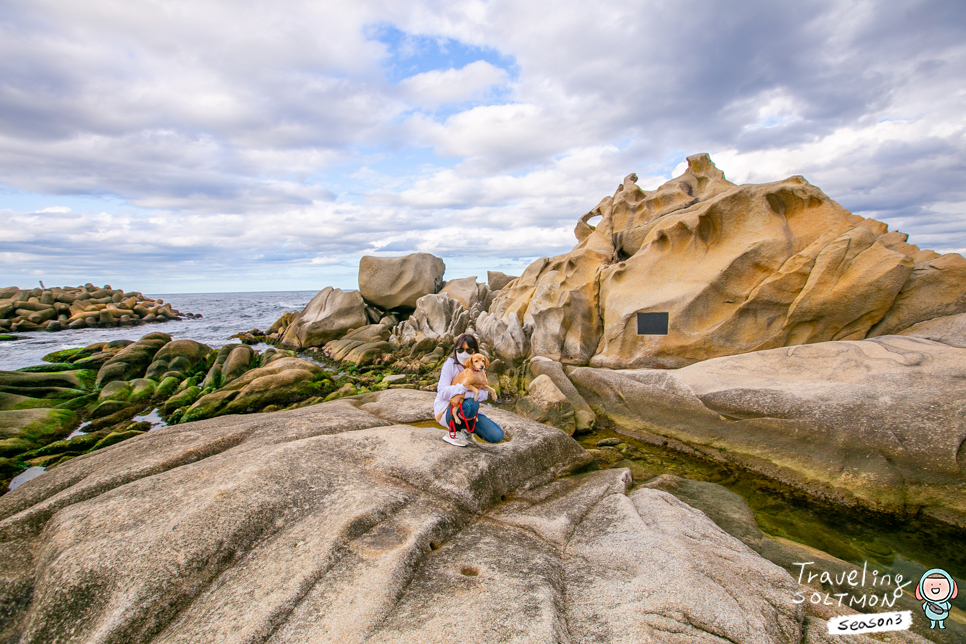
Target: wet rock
(177,358)
(132,361)
(27,429)
(282,382)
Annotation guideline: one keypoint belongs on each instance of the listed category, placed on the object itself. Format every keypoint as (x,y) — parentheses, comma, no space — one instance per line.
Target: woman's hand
(456,400)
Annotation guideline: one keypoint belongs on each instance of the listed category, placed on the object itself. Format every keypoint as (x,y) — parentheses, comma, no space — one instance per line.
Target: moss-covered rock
(61,356)
(282,382)
(117,390)
(133,360)
(167,387)
(65,384)
(115,437)
(26,429)
(182,399)
(78,444)
(177,359)
(142,389)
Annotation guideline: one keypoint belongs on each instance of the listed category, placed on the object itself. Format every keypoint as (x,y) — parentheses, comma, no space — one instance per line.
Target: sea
(223,315)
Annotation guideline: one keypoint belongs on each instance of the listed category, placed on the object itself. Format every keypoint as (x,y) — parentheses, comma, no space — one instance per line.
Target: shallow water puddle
(152,417)
(891,544)
(79,431)
(26,475)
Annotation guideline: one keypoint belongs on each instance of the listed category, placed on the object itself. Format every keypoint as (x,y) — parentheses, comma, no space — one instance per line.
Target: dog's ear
(486,361)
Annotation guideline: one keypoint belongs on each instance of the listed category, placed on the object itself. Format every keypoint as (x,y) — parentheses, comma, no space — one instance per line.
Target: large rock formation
(737,268)
(337,523)
(329,315)
(875,422)
(438,317)
(397,282)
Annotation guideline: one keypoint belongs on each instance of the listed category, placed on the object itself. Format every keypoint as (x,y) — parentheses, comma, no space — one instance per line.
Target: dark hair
(469,339)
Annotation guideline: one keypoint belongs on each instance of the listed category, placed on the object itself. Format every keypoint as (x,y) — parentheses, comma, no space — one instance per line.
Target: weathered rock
(545,403)
(873,422)
(238,362)
(472,296)
(397,282)
(330,314)
(736,268)
(361,346)
(57,385)
(584,417)
(282,382)
(330,523)
(950,330)
(732,514)
(438,317)
(26,429)
(497,280)
(177,358)
(505,336)
(133,360)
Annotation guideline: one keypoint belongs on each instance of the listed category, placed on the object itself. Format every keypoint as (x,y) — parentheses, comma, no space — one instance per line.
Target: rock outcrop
(329,315)
(874,422)
(338,523)
(438,317)
(397,282)
(79,307)
(736,268)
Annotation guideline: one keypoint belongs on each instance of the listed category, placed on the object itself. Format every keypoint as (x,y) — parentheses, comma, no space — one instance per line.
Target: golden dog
(473,377)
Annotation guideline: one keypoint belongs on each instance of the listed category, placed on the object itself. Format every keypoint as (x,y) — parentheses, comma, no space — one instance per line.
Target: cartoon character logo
(935,590)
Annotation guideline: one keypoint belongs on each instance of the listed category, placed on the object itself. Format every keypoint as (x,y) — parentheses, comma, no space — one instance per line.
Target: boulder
(875,423)
(584,417)
(361,346)
(472,296)
(338,523)
(133,360)
(329,315)
(497,280)
(238,362)
(545,403)
(177,358)
(438,317)
(735,268)
(397,282)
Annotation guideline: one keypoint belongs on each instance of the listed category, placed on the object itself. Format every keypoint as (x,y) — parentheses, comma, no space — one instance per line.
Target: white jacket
(446,390)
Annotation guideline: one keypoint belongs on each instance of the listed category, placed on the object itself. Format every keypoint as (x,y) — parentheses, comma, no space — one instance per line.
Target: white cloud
(278,139)
(437,87)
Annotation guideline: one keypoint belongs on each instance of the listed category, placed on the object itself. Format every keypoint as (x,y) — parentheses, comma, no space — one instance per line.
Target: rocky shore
(807,348)
(80,307)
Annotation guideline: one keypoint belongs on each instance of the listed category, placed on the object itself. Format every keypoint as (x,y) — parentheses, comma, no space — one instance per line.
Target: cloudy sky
(214,145)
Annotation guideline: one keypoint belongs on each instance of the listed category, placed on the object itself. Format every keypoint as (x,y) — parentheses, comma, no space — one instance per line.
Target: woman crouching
(454,409)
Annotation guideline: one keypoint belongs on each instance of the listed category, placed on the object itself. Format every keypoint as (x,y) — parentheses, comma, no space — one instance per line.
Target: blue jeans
(485,428)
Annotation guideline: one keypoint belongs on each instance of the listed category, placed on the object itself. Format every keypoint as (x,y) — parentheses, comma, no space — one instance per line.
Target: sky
(213,146)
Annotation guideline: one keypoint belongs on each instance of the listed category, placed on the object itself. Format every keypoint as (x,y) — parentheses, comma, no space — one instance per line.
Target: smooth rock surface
(397,282)
(333,524)
(329,315)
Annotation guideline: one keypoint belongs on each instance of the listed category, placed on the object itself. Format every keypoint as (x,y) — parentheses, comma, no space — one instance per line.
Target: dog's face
(478,362)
